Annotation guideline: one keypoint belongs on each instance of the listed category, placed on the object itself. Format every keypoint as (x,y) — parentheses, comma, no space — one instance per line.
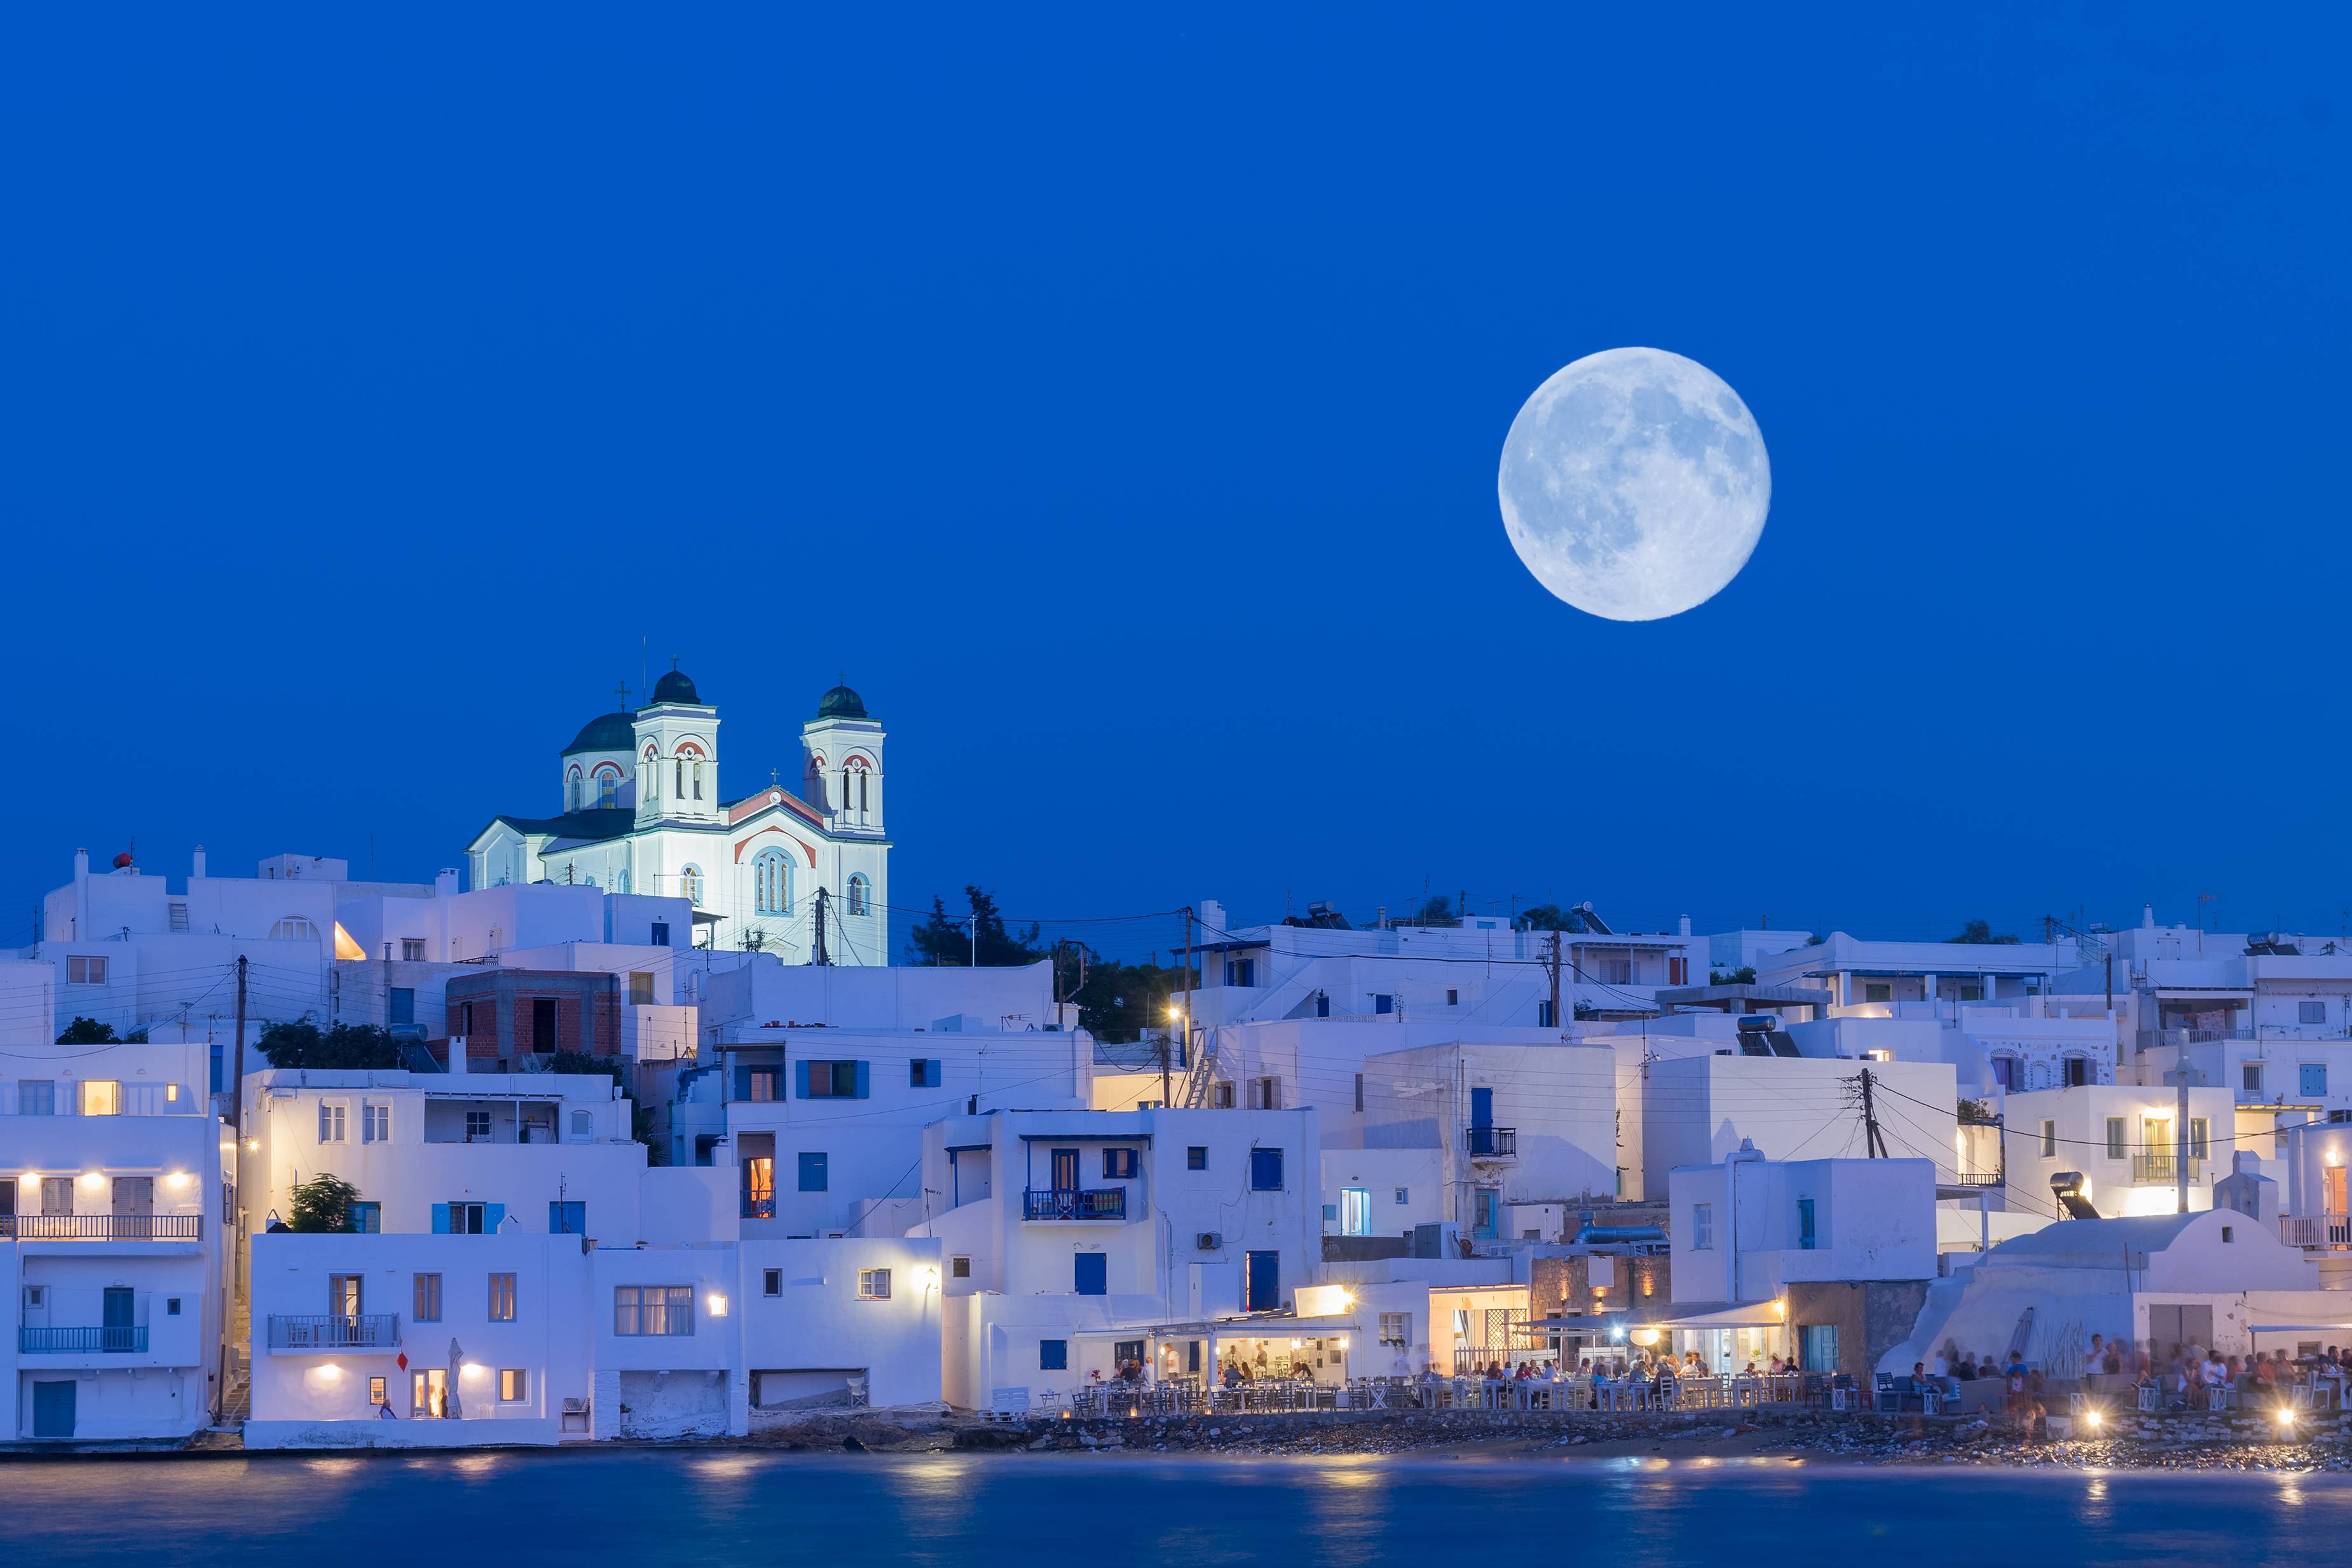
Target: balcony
(123,1341)
(334,1331)
(2162,1170)
(758,1209)
(2317,1232)
(1089,1203)
(102,1227)
(1491,1142)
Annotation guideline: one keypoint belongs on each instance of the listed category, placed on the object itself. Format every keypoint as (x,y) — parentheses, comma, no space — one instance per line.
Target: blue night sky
(1115,396)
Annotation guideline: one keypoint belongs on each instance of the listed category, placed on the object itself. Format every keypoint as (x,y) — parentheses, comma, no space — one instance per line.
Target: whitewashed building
(1079,1241)
(113,1183)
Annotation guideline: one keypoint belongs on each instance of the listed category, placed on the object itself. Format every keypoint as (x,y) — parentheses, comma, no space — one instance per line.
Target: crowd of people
(2198,1377)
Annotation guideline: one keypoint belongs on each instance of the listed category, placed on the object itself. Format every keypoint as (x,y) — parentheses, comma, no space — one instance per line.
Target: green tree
(1437,911)
(1116,1001)
(350,1046)
(323,1205)
(947,940)
(1981,933)
(1743,976)
(87,1031)
(1549,917)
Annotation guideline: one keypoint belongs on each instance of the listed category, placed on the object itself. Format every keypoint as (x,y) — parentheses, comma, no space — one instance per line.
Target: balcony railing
(2162,1170)
(1492,1143)
(2317,1232)
(122,1341)
(1087,1202)
(758,1209)
(334,1331)
(102,1227)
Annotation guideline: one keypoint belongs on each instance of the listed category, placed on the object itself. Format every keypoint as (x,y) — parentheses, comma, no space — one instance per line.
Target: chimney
(197,868)
(82,864)
(445,884)
(1686,931)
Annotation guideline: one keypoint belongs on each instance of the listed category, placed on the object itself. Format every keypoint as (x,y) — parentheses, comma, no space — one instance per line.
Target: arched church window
(681,777)
(571,791)
(697,780)
(772,883)
(650,775)
(690,885)
(608,789)
(857,895)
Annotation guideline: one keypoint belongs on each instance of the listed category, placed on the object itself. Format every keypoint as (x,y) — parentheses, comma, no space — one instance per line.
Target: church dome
(840,703)
(676,687)
(605,732)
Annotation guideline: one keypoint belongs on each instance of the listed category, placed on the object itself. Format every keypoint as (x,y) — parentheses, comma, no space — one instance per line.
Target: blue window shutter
(800,1080)
(930,1074)
(440,1219)
(742,1083)
(861,1080)
(1093,1276)
(491,1214)
(1053,1354)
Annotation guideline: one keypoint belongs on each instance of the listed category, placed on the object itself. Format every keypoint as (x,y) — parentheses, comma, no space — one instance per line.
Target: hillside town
(631,1125)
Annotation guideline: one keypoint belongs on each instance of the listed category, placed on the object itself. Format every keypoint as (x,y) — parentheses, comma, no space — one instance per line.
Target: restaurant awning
(2300,1328)
(1230,1328)
(1745,1315)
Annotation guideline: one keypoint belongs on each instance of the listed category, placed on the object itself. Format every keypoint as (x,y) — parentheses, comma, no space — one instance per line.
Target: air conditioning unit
(1209,1240)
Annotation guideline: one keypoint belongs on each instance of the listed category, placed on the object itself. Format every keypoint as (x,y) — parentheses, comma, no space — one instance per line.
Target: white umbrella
(457,1362)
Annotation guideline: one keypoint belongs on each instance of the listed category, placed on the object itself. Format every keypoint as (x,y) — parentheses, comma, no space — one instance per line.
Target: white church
(775,870)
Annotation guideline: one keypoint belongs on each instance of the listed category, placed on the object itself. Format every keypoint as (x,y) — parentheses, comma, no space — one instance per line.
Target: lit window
(514,1384)
(690,885)
(640,1310)
(873,1284)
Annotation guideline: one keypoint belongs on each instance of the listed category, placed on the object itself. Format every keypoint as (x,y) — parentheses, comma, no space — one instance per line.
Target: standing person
(2094,1359)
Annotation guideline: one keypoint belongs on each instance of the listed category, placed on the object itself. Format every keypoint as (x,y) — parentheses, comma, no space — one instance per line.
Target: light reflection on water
(688,1505)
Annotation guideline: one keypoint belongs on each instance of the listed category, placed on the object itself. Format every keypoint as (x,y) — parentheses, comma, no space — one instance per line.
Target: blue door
(1261,1281)
(1482,1107)
(116,1335)
(1093,1279)
(53,1410)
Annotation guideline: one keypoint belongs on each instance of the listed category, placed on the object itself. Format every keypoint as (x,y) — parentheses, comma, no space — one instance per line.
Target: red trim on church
(743,844)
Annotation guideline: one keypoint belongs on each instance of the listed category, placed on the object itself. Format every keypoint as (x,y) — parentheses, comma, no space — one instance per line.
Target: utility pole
(1164,1100)
(236,1084)
(1875,1141)
(975,938)
(1554,966)
(2181,1077)
(817,953)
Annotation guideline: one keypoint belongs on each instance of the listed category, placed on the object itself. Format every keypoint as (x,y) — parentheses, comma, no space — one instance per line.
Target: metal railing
(120,1341)
(1086,1203)
(334,1331)
(1492,1143)
(2163,1170)
(102,1227)
(2317,1232)
(758,1209)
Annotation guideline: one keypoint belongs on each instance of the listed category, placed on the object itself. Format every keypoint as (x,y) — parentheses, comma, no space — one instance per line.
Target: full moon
(1635,484)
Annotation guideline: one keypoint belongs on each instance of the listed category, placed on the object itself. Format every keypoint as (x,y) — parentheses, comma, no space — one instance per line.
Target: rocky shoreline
(2241,1442)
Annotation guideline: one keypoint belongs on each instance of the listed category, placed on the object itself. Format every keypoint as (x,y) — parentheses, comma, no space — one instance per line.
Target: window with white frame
(375,1124)
(1396,1328)
(294,928)
(772,883)
(85,971)
(648,1310)
(857,895)
(478,1126)
(2311,1012)
(411,949)
(331,1122)
(1702,1226)
(514,1384)
(690,885)
(2049,1140)
(772,1281)
(502,1298)
(873,1284)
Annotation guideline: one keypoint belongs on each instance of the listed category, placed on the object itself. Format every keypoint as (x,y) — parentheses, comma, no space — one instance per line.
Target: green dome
(840,703)
(675,687)
(605,732)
